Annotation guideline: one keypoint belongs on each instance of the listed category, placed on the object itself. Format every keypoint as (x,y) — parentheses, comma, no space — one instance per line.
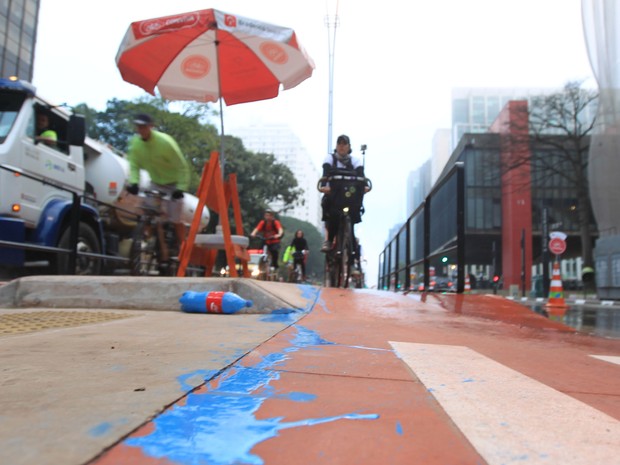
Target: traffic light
(444,259)
(496,279)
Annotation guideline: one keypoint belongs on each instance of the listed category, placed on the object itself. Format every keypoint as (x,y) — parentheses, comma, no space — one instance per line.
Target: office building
(18,35)
(281,141)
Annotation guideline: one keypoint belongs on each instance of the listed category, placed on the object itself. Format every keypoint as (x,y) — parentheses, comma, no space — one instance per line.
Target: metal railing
(428,252)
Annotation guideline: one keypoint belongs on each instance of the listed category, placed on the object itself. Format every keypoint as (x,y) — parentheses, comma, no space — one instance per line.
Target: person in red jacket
(272,232)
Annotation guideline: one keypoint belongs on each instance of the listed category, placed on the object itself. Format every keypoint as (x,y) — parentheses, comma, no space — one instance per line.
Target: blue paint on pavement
(101,429)
(203,374)
(306,337)
(219,426)
(276,316)
(106,427)
(399,428)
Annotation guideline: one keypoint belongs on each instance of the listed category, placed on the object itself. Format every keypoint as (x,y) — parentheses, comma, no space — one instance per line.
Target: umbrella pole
(222,157)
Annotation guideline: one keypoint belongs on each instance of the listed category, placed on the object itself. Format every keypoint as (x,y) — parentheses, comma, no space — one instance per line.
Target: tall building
(18,35)
(279,140)
(475,109)
(418,186)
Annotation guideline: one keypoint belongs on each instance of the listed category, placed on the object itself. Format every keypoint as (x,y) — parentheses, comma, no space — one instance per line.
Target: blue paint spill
(399,428)
(100,430)
(276,316)
(306,337)
(297,397)
(106,427)
(290,315)
(203,374)
(219,426)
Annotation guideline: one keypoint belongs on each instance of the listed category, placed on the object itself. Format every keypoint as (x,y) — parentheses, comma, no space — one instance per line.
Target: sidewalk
(346,377)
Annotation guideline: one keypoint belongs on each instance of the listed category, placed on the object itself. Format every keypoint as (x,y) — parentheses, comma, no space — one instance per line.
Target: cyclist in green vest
(160,156)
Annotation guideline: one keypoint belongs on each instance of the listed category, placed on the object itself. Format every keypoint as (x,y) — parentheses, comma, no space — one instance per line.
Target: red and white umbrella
(209,55)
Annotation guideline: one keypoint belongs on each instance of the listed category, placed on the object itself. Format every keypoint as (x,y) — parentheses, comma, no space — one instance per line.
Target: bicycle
(265,271)
(347,191)
(145,256)
(296,275)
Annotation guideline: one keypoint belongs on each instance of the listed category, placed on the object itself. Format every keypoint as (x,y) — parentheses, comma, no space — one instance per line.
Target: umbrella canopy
(209,55)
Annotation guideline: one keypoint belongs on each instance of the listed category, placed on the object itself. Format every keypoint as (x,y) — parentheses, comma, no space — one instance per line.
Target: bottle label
(214,302)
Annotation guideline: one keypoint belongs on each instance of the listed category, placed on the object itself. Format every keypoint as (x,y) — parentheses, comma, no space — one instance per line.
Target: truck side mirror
(77,130)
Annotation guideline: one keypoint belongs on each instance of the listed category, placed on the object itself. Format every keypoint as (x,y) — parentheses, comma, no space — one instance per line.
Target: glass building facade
(18,33)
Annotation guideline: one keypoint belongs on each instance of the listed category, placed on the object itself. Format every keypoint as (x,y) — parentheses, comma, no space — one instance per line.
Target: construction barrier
(556,303)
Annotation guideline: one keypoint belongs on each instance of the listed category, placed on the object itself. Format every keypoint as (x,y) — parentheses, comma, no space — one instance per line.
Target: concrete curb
(148,293)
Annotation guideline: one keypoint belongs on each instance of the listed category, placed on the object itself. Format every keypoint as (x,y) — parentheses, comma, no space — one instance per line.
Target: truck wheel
(87,242)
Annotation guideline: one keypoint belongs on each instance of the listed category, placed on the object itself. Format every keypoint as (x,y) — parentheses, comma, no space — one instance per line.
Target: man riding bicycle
(272,232)
(341,159)
(160,156)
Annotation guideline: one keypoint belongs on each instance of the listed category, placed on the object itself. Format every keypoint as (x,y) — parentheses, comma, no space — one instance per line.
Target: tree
(559,130)
(260,179)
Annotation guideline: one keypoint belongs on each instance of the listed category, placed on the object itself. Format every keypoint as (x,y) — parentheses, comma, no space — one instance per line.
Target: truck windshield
(10,105)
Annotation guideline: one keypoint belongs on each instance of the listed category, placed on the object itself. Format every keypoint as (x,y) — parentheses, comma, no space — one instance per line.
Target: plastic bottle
(212,302)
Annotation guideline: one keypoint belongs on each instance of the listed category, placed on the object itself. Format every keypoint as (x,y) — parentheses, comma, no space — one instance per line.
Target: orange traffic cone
(556,303)
(467,288)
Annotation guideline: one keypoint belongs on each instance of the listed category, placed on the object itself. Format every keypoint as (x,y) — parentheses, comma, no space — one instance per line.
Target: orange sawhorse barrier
(216,194)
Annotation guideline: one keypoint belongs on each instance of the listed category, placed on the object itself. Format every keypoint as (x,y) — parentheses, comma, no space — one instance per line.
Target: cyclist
(272,232)
(340,159)
(159,155)
(300,252)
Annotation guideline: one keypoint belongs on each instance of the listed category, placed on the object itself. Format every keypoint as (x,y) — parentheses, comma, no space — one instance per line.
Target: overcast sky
(395,66)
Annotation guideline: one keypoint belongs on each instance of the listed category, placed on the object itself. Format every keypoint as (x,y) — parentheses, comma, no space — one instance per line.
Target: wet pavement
(320,376)
(595,319)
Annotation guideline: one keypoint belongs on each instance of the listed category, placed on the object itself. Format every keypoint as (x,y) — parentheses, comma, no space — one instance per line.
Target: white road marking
(608,358)
(508,417)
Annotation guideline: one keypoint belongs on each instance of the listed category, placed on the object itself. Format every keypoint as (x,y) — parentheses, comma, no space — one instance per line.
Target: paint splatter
(399,428)
(219,426)
(105,428)
(201,374)
(101,429)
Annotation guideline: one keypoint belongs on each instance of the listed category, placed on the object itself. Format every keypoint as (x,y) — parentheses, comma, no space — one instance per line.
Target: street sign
(557,245)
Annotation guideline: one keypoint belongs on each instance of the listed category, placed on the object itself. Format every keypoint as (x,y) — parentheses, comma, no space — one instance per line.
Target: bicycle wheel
(263,269)
(333,269)
(344,248)
(135,252)
(327,272)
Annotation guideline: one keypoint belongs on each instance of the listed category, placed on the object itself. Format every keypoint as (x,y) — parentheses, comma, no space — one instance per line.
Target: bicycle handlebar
(344,177)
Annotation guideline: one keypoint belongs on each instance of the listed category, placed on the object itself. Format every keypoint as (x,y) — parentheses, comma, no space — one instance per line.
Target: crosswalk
(508,417)
(608,358)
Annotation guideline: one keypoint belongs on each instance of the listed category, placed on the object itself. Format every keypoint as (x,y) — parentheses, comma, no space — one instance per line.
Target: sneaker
(326,247)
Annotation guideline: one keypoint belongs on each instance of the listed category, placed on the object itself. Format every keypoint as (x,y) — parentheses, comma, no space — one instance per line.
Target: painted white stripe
(608,358)
(508,417)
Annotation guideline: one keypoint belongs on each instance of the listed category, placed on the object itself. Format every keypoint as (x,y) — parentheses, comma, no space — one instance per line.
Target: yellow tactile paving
(28,322)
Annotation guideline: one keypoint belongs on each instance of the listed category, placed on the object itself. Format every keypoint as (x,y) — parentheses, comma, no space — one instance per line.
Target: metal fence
(428,252)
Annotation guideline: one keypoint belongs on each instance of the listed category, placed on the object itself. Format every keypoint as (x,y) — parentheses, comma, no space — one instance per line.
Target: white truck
(40,181)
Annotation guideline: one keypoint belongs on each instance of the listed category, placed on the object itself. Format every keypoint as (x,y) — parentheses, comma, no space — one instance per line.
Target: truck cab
(39,176)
